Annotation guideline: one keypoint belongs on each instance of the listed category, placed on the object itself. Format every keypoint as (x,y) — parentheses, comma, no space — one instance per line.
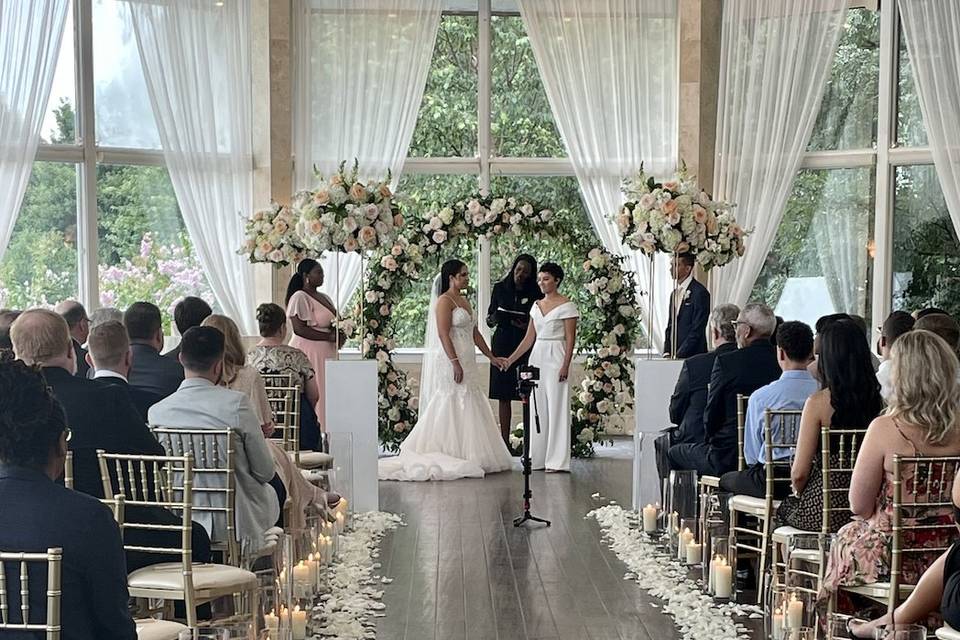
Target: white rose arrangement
(271,236)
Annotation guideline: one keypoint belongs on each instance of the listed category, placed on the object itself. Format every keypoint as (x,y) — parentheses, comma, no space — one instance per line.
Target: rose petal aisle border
(696,614)
(352,595)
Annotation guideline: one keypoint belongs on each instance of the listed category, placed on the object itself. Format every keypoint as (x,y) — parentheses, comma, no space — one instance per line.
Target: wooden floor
(463,571)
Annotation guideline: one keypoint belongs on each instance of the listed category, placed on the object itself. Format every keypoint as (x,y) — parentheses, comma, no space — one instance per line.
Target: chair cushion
(806,555)
(751,505)
(877,590)
(168,575)
(782,534)
(151,629)
(315,459)
(946,632)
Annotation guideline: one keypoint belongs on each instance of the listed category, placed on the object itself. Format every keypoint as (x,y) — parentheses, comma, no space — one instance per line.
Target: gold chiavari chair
(215,488)
(742,400)
(751,518)
(53,559)
(167,482)
(804,568)
(922,523)
(285,395)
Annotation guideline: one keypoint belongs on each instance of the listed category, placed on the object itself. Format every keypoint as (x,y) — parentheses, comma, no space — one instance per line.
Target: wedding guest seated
(820,325)
(101,416)
(110,356)
(237,375)
(742,371)
(896,324)
(200,403)
(923,419)
(79,325)
(7,316)
(273,356)
(150,371)
(928,311)
(849,399)
(937,590)
(690,394)
(942,325)
(788,393)
(39,514)
(105,314)
(773,336)
(861,323)
(188,313)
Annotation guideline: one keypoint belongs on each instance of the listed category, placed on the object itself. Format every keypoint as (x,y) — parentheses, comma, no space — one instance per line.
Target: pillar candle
(794,612)
(313,564)
(302,580)
(272,624)
(685,538)
(723,583)
(694,552)
(777,623)
(649,519)
(299,624)
(341,522)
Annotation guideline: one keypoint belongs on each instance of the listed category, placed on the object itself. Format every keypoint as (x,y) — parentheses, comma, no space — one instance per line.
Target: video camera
(527,377)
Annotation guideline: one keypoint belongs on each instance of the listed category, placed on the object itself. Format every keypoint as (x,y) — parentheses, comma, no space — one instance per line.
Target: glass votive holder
(684,492)
(718,574)
(799,611)
(900,632)
(686,537)
(837,628)
(232,631)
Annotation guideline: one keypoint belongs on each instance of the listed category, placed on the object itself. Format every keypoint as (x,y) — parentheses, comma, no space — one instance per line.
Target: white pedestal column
(351,399)
(653,386)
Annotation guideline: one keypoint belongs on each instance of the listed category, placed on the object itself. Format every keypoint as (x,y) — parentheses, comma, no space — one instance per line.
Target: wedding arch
(346,215)
(604,397)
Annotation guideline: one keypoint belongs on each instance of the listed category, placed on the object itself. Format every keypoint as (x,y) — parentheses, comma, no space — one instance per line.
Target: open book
(516,313)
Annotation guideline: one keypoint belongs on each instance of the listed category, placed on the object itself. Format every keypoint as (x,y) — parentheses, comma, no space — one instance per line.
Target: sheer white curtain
(610,72)
(841,231)
(775,59)
(30,35)
(196,62)
(360,67)
(932,29)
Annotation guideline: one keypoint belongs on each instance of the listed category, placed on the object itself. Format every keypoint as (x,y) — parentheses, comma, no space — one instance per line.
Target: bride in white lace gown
(456,435)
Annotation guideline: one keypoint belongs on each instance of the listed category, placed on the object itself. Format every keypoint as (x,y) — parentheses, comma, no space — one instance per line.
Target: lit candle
(649,519)
(694,552)
(314,566)
(272,623)
(794,613)
(302,578)
(723,582)
(712,574)
(341,521)
(299,624)
(685,538)
(674,523)
(777,623)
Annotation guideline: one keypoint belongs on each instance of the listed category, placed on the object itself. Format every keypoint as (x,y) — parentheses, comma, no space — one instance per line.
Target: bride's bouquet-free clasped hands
(678,217)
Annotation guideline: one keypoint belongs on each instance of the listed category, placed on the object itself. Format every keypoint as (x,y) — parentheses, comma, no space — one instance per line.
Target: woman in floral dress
(923,419)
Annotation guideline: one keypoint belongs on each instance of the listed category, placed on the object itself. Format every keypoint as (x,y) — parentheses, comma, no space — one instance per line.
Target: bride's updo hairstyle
(553,269)
(449,269)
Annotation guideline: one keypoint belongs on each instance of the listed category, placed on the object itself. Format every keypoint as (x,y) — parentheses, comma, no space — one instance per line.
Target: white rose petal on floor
(696,614)
(353,600)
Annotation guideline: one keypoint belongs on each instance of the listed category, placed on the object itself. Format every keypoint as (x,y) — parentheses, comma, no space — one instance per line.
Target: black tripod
(525,391)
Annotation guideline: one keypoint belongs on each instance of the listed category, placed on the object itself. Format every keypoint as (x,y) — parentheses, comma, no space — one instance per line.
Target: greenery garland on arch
(606,394)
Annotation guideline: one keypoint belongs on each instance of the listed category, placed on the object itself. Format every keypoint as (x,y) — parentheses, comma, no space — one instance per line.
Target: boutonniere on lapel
(686,295)
(524,300)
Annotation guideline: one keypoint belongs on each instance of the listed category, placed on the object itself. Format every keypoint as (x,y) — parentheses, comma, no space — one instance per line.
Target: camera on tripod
(527,377)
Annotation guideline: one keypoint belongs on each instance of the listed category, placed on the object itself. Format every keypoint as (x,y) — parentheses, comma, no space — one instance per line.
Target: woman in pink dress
(312,315)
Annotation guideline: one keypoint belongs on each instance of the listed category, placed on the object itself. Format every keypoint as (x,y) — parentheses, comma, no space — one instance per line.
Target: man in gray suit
(200,404)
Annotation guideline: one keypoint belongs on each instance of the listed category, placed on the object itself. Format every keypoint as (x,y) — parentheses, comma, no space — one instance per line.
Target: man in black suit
(150,371)
(110,357)
(101,416)
(689,397)
(39,514)
(79,324)
(693,303)
(189,313)
(751,366)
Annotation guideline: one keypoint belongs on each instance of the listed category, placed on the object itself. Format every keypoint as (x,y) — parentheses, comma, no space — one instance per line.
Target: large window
(844,243)
(514,149)
(120,238)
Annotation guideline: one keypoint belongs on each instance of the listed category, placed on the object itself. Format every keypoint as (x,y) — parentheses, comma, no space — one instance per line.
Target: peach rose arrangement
(676,216)
(271,236)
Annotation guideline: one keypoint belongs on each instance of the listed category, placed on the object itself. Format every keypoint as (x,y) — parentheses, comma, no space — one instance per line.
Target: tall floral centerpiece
(677,217)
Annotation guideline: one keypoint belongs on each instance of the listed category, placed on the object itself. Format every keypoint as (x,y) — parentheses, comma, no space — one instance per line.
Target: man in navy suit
(692,301)
(37,514)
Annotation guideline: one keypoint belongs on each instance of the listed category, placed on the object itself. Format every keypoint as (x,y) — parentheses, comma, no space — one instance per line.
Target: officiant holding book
(509,313)
(692,303)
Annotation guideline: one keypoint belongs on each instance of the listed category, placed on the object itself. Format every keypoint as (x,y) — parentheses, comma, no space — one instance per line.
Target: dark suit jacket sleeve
(492,319)
(694,341)
(680,399)
(137,436)
(716,411)
(106,575)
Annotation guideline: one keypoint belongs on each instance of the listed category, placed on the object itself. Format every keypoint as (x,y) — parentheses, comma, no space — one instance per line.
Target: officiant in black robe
(508,315)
